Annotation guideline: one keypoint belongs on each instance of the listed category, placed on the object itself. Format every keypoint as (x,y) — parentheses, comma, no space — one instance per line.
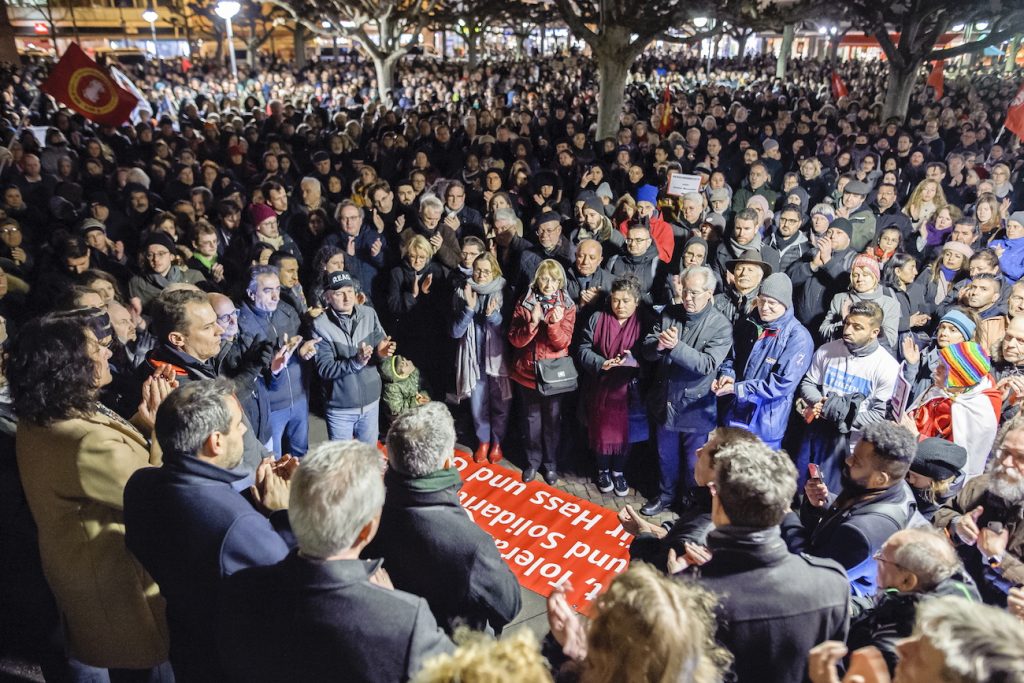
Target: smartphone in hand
(813,471)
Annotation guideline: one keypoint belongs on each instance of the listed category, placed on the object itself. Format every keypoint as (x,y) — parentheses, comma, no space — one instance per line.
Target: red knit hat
(260,212)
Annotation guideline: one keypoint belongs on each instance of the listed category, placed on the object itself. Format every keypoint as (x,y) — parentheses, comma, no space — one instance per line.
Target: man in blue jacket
(189,524)
(353,344)
(265,318)
(771,353)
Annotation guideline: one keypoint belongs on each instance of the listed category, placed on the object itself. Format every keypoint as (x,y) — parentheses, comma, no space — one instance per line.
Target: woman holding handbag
(540,332)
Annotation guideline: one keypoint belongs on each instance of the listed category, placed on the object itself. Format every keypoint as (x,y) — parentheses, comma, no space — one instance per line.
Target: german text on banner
(547,537)
(81,84)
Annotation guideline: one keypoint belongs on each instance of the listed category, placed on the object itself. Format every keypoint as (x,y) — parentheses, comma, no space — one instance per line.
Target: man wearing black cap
(859,213)
(353,344)
(822,273)
(551,244)
(159,252)
(936,475)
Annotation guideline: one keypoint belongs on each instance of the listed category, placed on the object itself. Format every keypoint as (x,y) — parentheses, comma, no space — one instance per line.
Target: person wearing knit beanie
(591,201)
(961,321)
(868,262)
(260,212)
(966,364)
(778,286)
(959,248)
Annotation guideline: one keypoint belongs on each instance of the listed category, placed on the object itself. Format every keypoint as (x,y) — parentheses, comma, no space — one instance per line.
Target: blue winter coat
(1012,260)
(255,326)
(765,386)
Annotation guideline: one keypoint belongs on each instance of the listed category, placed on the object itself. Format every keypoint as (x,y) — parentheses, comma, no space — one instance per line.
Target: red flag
(838,87)
(666,115)
(936,79)
(186,64)
(1015,114)
(83,85)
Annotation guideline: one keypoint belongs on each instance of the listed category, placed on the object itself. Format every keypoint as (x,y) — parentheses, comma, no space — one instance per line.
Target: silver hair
(709,276)
(927,554)
(256,272)
(430,201)
(190,414)
(505,215)
(310,180)
(755,484)
(979,643)
(337,491)
(694,197)
(421,439)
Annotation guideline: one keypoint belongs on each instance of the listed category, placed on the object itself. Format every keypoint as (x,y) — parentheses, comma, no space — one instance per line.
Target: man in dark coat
(688,344)
(821,274)
(429,544)
(330,615)
(188,523)
(774,606)
(875,502)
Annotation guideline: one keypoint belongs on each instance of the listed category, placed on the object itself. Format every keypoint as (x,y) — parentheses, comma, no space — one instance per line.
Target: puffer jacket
(545,341)
(770,374)
(682,399)
(254,327)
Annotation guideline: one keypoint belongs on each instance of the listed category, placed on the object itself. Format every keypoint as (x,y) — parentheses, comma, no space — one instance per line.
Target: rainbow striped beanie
(967,363)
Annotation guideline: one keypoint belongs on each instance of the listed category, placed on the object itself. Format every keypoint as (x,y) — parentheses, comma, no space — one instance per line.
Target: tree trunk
(250,45)
(8,48)
(898,90)
(520,46)
(299,45)
(788,33)
(385,70)
(543,35)
(472,48)
(612,69)
(741,41)
(1011,55)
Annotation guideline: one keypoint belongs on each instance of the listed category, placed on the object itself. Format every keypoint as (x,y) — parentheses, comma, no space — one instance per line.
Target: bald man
(913,565)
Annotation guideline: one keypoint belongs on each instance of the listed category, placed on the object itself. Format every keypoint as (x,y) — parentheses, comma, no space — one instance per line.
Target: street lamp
(981,26)
(226,9)
(151,16)
(700,22)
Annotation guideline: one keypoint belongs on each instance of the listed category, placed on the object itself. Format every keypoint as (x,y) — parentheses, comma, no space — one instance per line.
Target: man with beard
(788,239)
(874,503)
(745,236)
(986,520)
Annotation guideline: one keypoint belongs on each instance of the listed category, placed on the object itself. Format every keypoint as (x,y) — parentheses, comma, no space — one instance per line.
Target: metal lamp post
(151,16)
(226,9)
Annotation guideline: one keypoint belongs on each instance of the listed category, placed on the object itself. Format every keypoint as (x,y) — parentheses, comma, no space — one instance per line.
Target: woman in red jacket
(541,328)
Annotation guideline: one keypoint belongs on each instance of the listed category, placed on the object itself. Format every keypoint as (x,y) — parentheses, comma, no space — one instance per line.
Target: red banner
(665,126)
(937,79)
(1015,114)
(838,87)
(547,536)
(81,84)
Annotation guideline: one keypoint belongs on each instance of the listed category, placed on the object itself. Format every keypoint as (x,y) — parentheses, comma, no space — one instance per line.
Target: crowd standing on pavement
(817,355)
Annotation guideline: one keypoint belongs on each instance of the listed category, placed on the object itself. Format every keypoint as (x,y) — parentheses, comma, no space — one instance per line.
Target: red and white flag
(83,85)
(1015,114)
(937,79)
(838,87)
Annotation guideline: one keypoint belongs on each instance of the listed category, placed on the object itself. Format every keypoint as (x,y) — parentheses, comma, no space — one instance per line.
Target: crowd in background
(814,357)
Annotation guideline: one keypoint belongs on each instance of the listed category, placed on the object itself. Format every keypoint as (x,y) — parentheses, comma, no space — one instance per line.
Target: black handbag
(556,376)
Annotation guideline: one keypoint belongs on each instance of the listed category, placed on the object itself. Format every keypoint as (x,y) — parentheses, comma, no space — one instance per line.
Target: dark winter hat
(321,156)
(90,224)
(261,212)
(842,224)
(160,238)
(779,287)
(750,256)
(938,459)
(590,201)
(857,187)
(340,278)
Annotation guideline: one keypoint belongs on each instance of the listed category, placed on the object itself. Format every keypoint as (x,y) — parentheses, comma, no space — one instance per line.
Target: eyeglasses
(227,317)
(878,557)
(693,293)
(8,229)
(550,231)
(637,240)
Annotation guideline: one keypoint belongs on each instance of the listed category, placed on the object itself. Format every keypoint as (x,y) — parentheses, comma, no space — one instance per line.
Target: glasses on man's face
(789,221)
(693,293)
(548,231)
(456,196)
(878,557)
(227,317)
(637,240)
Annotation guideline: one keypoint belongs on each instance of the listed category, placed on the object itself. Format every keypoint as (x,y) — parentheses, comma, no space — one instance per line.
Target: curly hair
(482,658)
(649,627)
(50,372)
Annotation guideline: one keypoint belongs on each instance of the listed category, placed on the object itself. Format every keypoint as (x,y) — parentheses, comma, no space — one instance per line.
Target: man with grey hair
(188,523)
(986,519)
(913,565)
(688,345)
(332,615)
(443,239)
(433,549)
(954,641)
(770,600)
(263,318)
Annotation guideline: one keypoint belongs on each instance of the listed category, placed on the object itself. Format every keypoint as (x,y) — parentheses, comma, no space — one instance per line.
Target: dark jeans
(541,416)
(677,456)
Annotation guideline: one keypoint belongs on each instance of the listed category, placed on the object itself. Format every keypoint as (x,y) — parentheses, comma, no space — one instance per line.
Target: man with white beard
(986,520)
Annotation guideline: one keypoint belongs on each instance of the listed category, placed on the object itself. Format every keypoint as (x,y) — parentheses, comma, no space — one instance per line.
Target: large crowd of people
(818,353)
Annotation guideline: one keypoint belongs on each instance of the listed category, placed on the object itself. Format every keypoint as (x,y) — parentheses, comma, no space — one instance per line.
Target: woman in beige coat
(74,456)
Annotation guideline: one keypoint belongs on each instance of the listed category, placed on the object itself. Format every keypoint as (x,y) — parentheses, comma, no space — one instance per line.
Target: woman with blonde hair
(541,329)
(925,200)
(646,628)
